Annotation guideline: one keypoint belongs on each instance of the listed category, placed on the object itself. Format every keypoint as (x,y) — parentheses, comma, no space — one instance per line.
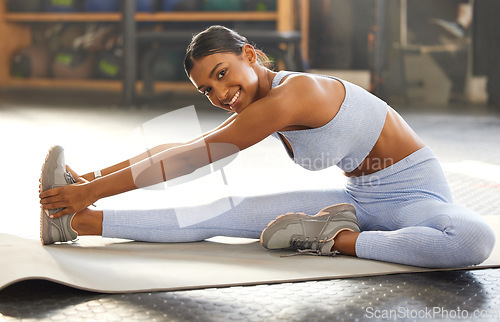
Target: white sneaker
(310,234)
(54,175)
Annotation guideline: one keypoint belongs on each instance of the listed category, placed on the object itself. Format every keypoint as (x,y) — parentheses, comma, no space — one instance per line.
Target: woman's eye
(206,92)
(221,74)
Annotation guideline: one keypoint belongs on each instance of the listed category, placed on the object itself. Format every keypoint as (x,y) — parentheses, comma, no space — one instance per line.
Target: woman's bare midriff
(397,141)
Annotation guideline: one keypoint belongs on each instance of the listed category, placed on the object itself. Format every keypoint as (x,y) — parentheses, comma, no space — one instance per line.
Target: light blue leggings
(405,213)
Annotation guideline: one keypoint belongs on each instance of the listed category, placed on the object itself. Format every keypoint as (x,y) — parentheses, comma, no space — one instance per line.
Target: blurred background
(95,75)
(129,53)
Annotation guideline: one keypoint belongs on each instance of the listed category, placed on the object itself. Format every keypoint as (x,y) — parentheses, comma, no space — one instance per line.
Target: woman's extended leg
(247,217)
(87,222)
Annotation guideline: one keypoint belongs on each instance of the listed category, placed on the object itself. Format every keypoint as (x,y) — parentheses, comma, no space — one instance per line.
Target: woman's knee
(471,240)
(481,242)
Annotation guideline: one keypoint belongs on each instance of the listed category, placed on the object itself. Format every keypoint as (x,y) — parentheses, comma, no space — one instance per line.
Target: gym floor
(94,131)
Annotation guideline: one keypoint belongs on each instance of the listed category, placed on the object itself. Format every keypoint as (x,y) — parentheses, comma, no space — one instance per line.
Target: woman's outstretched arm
(246,129)
(149,153)
(166,165)
(127,163)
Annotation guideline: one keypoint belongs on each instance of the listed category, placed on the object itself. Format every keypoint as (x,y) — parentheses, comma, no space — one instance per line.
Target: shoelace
(69,178)
(305,247)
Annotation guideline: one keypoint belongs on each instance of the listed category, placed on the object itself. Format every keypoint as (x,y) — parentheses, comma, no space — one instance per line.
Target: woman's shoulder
(304,83)
(308,88)
(312,99)
(296,85)
(295,78)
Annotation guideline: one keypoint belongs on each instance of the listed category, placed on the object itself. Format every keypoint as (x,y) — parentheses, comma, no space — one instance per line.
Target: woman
(395,185)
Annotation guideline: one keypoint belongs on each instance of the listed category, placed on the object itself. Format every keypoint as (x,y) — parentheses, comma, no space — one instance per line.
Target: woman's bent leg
(407,217)
(243,217)
(434,234)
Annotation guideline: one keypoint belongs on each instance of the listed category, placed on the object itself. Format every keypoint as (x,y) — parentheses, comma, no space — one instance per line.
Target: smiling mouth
(234,99)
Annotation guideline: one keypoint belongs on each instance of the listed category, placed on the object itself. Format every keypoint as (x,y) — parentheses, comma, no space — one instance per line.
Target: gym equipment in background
(180,5)
(260,5)
(223,5)
(66,35)
(109,64)
(63,5)
(146,5)
(75,64)
(169,5)
(105,42)
(31,61)
(24,5)
(167,65)
(101,5)
(161,63)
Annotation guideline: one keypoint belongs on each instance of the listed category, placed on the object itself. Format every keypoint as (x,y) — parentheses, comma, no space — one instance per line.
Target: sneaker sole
(334,211)
(44,219)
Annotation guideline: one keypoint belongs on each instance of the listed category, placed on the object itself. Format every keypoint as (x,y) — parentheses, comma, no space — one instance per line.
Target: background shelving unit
(15,33)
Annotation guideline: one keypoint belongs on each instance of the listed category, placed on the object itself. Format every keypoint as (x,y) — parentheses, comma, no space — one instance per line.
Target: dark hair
(218,39)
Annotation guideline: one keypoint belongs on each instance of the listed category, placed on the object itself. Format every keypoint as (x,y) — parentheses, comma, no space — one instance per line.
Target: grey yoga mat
(112,265)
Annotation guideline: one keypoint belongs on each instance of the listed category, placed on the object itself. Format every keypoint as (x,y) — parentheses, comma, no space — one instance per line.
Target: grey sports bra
(345,140)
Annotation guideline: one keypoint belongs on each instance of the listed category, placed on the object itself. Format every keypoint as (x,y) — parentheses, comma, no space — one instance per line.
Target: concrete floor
(96,132)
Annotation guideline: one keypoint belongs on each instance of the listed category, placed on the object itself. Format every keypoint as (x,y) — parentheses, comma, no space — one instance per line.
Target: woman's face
(228,80)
